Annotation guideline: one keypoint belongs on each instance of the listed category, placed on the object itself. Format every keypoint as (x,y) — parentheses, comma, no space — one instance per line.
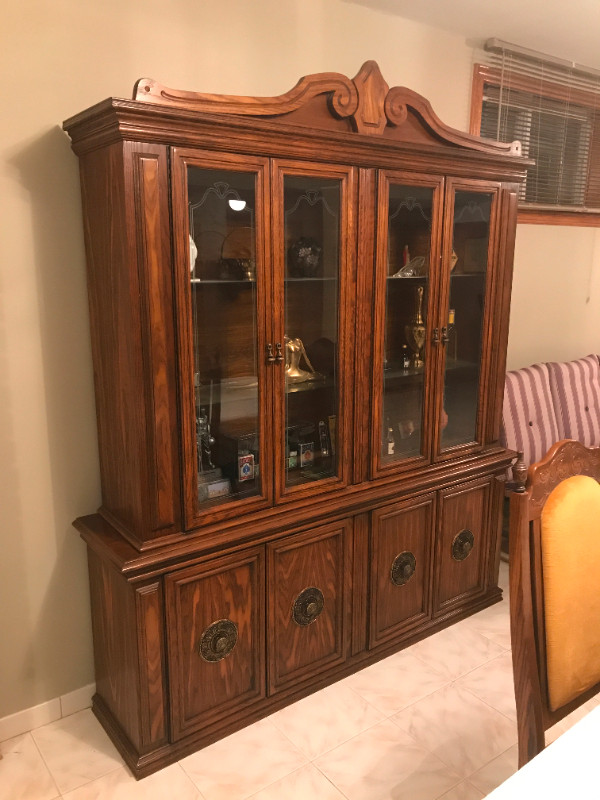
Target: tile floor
(434,722)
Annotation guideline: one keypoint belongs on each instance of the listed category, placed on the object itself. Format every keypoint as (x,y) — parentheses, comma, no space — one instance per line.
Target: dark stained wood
(226,589)
(283,307)
(396,529)
(462,508)
(319,559)
(367,100)
(489,313)
(151,191)
(360,582)
(127,624)
(431,353)
(151,660)
(181,160)
(534,716)
(164,567)
(498,341)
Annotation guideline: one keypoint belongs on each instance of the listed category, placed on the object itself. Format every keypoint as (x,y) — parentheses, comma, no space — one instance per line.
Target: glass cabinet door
(407,254)
(467,251)
(312,227)
(223,381)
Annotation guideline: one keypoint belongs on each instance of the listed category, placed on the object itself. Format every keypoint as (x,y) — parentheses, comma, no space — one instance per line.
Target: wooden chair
(554,566)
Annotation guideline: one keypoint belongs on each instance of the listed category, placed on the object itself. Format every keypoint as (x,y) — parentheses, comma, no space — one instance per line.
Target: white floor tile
(170,782)
(494,684)
(324,720)
(497,771)
(76,750)
(463,791)
(244,763)
(385,763)
(307,783)
(23,774)
(396,682)
(456,651)
(460,729)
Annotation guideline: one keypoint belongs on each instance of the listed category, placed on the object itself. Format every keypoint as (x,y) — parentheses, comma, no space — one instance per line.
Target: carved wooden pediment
(366,100)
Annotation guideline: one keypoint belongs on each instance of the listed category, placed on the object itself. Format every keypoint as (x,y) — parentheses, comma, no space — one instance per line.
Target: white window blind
(553,108)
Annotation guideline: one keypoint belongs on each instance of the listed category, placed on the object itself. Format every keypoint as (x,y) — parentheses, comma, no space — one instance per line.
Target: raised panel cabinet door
(409,225)
(313,259)
(308,603)
(462,546)
(223,289)
(401,549)
(215,630)
(469,262)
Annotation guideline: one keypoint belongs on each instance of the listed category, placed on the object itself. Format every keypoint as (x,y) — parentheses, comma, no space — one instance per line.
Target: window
(553,108)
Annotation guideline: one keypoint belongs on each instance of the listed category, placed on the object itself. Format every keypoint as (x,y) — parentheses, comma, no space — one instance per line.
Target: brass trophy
(415,330)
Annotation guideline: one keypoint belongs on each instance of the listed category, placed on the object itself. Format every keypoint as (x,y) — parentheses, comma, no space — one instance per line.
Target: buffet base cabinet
(190,655)
(299,315)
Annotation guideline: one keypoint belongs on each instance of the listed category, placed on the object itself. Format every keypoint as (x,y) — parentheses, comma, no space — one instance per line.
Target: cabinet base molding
(144,764)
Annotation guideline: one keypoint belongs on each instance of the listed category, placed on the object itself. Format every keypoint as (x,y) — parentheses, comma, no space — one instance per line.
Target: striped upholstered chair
(529,423)
(575,387)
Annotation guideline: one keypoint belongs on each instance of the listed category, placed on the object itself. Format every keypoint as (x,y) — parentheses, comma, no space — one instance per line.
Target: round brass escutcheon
(307,606)
(218,640)
(403,568)
(462,545)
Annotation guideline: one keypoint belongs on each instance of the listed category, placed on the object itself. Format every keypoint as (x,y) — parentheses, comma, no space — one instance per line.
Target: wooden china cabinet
(299,312)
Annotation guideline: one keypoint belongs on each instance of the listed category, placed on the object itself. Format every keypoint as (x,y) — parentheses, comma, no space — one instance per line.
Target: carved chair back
(535,713)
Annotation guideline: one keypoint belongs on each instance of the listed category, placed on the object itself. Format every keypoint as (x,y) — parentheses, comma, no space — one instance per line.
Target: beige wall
(58,58)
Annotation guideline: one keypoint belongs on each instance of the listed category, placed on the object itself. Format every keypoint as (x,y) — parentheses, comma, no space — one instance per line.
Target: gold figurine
(294,353)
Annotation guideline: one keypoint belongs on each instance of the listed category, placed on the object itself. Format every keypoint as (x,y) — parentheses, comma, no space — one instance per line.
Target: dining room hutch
(299,313)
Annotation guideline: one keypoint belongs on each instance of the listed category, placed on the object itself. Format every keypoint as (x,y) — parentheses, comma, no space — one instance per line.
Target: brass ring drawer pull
(462,545)
(403,568)
(218,640)
(307,606)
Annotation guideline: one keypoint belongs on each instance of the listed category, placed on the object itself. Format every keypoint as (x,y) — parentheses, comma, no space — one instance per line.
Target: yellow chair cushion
(570,528)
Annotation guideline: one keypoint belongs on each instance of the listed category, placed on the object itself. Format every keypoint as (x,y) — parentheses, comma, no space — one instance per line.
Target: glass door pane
(409,234)
(463,333)
(222,252)
(311,222)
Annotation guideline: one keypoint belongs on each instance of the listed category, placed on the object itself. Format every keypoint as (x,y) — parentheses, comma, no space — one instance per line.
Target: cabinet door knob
(445,337)
(307,606)
(403,568)
(462,545)
(218,640)
(279,356)
(270,355)
(436,336)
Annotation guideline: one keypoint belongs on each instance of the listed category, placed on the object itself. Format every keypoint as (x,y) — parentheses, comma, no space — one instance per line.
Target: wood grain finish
(226,589)
(129,659)
(396,529)
(320,559)
(154,258)
(165,567)
(534,716)
(464,508)
(151,664)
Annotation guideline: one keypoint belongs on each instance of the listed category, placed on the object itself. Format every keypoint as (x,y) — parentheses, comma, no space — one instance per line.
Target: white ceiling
(568,29)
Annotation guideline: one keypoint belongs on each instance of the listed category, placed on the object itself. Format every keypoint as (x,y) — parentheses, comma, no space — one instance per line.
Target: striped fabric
(575,389)
(528,419)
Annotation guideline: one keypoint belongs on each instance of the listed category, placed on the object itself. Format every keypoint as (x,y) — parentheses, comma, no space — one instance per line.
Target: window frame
(483,74)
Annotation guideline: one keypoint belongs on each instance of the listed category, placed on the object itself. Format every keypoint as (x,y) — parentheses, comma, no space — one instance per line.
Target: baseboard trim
(50,711)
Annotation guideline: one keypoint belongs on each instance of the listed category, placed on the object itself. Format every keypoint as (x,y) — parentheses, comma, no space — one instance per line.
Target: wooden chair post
(524,653)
